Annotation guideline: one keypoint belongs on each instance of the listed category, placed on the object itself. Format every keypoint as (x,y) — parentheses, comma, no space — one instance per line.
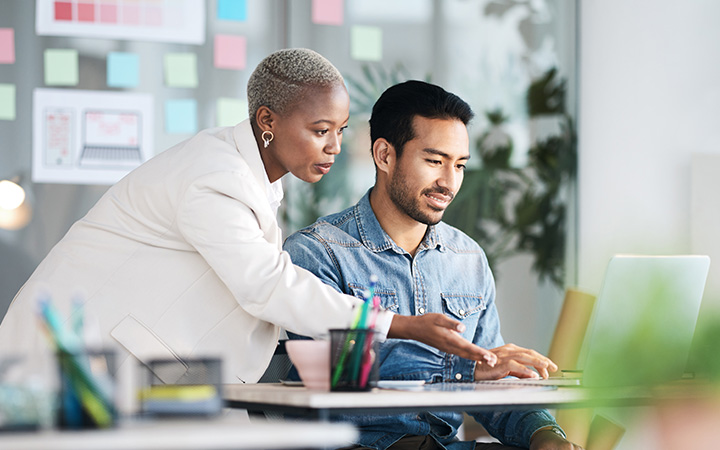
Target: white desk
(210,434)
(456,396)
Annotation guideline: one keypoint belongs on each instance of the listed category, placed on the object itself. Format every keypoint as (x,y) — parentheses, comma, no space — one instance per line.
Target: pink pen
(367,357)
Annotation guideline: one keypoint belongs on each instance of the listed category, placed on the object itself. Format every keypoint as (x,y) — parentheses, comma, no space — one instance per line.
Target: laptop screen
(644,319)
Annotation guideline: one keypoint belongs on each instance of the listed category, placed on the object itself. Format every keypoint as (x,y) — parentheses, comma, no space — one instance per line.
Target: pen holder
(353,359)
(87,389)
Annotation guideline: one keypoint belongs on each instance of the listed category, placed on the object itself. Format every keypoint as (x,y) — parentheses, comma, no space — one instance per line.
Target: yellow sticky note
(366,43)
(231,111)
(61,67)
(7,101)
(181,70)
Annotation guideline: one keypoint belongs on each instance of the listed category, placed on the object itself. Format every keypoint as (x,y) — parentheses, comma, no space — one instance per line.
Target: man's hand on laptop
(442,333)
(515,361)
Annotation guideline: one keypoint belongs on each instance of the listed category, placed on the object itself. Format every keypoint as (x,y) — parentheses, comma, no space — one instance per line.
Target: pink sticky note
(7,46)
(327,12)
(230,52)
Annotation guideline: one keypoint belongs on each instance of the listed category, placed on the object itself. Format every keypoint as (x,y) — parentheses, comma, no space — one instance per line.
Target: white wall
(649,98)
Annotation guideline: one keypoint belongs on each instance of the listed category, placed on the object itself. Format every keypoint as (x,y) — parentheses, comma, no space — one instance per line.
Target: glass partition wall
(514,61)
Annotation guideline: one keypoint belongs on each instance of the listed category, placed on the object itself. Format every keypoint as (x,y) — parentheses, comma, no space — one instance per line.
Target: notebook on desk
(647,309)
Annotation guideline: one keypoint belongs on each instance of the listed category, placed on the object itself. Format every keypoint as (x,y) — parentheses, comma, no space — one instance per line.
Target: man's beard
(404,200)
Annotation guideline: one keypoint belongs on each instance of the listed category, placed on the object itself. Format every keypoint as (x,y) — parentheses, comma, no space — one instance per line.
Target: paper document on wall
(89,137)
(181,21)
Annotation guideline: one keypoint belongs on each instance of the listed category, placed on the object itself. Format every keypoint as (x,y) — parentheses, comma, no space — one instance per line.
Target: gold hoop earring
(267,139)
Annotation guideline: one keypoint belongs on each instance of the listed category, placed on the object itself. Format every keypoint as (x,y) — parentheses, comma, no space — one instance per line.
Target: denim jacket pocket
(462,306)
(388,297)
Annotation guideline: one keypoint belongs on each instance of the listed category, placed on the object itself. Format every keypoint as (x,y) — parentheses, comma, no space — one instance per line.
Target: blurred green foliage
(511,210)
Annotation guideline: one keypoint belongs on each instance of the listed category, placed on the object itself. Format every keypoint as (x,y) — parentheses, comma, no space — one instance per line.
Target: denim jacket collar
(376,239)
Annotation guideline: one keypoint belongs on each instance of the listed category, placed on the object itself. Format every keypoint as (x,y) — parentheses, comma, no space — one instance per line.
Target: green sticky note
(231,111)
(7,101)
(61,67)
(181,70)
(366,43)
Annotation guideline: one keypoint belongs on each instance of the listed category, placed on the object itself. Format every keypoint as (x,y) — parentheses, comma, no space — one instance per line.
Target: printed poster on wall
(181,21)
(89,137)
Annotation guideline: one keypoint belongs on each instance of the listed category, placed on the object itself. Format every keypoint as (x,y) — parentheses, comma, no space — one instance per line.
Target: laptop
(643,323)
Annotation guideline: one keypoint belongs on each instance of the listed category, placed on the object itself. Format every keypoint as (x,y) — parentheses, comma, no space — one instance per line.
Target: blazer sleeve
(219,216)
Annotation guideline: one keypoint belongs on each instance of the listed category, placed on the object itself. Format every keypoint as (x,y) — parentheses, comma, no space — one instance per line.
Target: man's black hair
(393,113)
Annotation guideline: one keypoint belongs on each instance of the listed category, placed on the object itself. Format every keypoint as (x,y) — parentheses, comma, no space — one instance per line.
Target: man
(420,148)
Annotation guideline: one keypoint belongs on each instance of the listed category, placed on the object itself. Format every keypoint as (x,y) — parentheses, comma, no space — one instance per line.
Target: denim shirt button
(458,376)
(461,312)
(421,310)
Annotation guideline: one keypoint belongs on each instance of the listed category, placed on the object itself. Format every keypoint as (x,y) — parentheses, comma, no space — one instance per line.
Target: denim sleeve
(513,428)
(307,250)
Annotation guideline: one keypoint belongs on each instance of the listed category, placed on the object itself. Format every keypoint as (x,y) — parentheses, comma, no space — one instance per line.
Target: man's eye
(461,166)
(433,161)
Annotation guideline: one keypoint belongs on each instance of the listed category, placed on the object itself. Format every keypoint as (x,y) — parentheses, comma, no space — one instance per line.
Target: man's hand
(515,361)
(549,440)
(442,333)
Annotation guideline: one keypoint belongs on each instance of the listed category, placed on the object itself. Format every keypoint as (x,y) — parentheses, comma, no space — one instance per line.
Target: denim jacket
(450,275)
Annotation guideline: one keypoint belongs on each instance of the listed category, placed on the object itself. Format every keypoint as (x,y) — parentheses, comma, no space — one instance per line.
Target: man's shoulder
(456,240)
(339,228)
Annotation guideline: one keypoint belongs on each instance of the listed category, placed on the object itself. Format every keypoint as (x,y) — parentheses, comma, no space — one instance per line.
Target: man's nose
(450,179)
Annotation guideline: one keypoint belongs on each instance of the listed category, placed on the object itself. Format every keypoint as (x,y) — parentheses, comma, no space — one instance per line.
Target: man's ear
(384,155)
(265,118)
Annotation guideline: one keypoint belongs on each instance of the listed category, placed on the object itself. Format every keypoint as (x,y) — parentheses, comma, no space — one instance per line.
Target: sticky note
(181,116)
(61,67)
(123,69)
(7,101)
(7,46)
(232,10)
(366,43)
(230,52)
(231,111)
(327,12)
(181,70)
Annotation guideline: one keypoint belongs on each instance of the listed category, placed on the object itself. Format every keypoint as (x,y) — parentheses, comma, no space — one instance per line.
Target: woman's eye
(342,129)
(322,132)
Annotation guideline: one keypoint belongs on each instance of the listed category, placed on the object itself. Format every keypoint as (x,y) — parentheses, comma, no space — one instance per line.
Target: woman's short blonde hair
(279,80)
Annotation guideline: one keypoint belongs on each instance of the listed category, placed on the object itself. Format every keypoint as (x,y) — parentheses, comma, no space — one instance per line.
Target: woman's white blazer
(181,258)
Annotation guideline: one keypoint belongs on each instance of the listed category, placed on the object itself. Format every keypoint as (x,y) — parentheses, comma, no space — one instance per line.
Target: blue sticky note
(232,10)
(181,116)
(123,69)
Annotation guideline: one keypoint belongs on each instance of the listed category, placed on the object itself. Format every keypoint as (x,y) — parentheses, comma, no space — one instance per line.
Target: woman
(183,256)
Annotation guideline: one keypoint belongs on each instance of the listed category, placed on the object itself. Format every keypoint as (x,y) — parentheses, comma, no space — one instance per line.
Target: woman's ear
(383,154)
(265,118)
